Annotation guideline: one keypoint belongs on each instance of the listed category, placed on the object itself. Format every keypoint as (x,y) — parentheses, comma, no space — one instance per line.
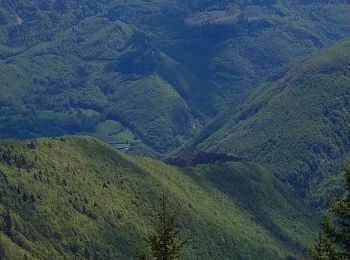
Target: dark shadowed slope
(296,123)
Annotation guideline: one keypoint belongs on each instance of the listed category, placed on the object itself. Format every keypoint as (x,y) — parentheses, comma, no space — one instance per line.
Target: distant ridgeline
(202,158)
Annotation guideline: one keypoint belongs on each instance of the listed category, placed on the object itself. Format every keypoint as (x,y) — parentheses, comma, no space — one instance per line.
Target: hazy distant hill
(146,74)
(296,123)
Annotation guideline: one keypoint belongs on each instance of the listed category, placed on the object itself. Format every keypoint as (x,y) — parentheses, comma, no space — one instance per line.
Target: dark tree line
(201,158)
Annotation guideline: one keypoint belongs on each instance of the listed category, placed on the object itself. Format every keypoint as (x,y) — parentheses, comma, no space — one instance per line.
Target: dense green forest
(237,111)
(77,198)
(296,123)
(148,74)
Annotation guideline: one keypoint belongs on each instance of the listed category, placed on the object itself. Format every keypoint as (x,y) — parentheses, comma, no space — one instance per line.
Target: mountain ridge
(293,122)
(107,50)
(76,197)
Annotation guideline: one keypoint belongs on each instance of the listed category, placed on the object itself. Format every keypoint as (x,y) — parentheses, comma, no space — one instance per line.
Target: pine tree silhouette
(164,241)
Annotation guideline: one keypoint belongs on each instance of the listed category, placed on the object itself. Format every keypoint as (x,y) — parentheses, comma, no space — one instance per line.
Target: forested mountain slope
(76,198)
(146,74)
(296,123)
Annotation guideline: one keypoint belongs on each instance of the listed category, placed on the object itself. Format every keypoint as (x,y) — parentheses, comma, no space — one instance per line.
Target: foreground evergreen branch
(333,242)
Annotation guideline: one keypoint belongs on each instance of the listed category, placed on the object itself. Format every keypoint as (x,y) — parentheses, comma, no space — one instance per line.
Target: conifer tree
(333,242)
(323,249)
(163,241)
